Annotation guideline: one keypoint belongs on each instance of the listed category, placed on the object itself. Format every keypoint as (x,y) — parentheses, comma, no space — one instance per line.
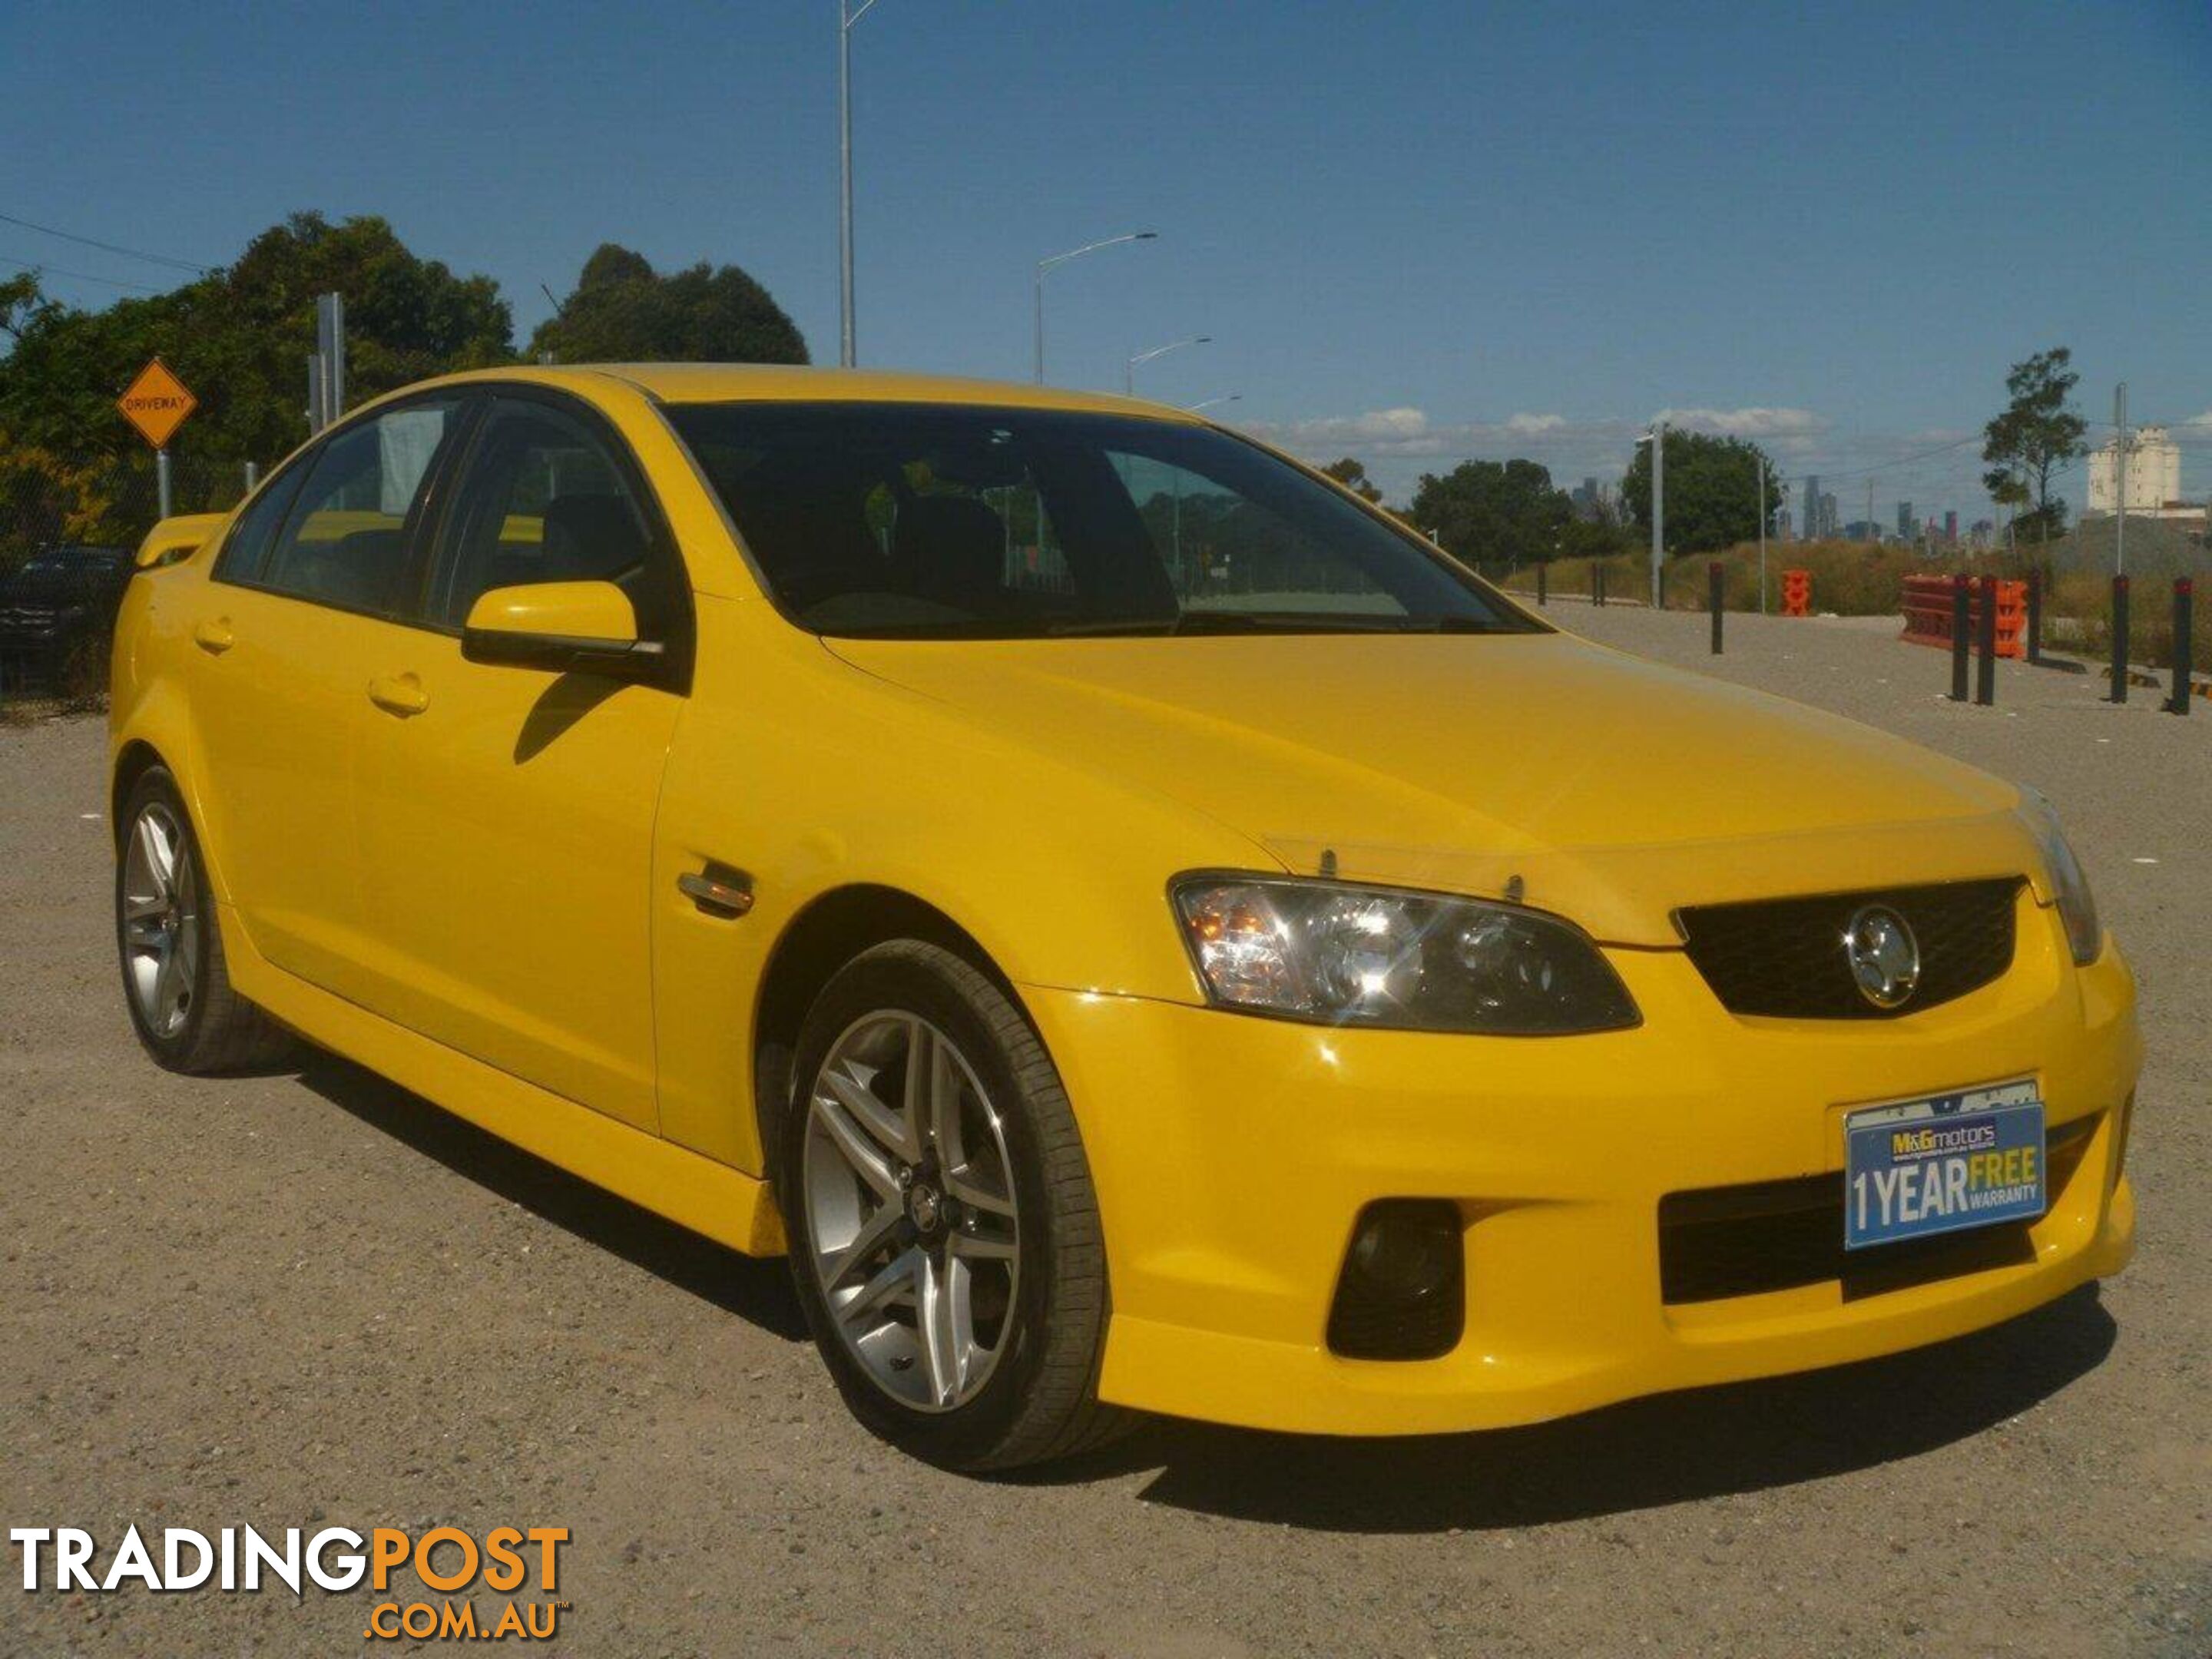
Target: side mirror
(565,628)
(177,538)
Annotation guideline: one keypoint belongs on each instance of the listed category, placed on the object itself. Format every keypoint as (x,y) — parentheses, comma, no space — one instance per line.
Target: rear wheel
(176,980)
(944,1233)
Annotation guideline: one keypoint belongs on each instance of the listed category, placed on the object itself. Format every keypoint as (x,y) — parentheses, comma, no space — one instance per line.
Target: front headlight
(2076,908)
(1339,954)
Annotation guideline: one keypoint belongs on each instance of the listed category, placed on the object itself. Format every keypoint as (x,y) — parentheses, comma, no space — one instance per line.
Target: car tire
(176,976)
(970,1359)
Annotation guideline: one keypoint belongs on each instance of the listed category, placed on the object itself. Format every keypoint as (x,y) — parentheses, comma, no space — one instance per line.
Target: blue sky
(1416,233)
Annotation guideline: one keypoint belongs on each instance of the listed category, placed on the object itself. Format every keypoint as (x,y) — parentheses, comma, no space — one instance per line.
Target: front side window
(344,541)
(911,519)
(542,501)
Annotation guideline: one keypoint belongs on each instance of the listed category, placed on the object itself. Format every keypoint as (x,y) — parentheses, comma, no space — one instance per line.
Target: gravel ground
(313,1298)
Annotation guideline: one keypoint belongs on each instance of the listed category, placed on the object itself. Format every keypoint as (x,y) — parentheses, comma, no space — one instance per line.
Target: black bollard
(1542,572)
(1962,630)
(2034,616)
(2119,638)
(2185,592)
(1713,576)
(1985,680)
(1597,584)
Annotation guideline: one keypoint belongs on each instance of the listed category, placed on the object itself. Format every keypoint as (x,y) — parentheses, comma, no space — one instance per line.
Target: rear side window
(345,540)
(245,549)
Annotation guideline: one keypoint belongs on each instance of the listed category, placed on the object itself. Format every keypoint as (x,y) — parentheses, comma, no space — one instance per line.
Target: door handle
(214,636)
(398,693)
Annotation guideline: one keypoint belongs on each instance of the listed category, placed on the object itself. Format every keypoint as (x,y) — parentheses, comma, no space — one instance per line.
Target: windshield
(94,560)
(926,521)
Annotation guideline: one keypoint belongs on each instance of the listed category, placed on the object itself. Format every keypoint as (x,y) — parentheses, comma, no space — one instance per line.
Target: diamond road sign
(157,402)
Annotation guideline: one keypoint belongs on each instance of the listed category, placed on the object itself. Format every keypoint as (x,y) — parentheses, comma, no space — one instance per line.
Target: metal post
(1985,681)
(2120,478)
(2185,591)
(316,418)
(1713,578)
(845,357)
(2034,616)
(1658,507)
(329,340)
(2119,638)
(1543,577)
(1962,630)
(161,479)
(1761,464)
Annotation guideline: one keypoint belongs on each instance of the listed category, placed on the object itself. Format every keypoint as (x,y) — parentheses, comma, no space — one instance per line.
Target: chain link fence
(68,528)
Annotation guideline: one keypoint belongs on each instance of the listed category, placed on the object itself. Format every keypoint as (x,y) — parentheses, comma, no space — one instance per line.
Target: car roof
(714,383)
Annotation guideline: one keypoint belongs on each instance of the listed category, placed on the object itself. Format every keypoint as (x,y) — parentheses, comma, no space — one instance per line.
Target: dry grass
(1851,579)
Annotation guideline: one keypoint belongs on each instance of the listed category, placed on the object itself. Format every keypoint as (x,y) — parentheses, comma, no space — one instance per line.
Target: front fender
(811,775)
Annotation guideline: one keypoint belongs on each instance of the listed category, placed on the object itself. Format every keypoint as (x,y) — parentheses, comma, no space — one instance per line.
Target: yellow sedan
(1140,928)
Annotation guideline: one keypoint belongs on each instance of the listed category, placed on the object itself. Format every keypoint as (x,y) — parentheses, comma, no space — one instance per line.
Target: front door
(507,820)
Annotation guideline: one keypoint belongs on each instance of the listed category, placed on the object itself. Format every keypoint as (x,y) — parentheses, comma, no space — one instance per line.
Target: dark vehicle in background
(57,615)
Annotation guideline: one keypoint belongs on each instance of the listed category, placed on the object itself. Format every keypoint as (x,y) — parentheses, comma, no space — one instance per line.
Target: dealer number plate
(1942,1165)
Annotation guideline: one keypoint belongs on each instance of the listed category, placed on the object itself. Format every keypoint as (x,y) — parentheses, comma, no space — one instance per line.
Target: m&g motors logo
(446,1561)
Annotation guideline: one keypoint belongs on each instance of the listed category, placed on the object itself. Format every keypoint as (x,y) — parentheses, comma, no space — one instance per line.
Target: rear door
(309,590)
(508,821)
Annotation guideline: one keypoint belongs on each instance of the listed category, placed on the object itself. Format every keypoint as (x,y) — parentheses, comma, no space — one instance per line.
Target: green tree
(1353,475)
(1485,511)
(239,338)
(2038,433)
(1712,491)
(622,310)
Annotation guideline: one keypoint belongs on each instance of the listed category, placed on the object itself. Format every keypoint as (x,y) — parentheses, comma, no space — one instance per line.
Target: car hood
(1606,788)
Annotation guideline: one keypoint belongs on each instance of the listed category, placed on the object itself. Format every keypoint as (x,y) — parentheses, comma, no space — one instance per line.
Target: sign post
(157,402)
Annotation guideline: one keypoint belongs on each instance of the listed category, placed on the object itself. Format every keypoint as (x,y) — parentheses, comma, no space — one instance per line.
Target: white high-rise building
(2154,475)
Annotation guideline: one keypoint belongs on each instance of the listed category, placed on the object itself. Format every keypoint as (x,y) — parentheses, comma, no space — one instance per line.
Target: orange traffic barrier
(1796,592)
(1927,607)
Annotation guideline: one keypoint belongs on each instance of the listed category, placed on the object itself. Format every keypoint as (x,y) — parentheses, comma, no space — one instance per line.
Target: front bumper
(1233,1154)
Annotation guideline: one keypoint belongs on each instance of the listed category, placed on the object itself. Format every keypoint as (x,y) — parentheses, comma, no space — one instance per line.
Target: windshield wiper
(1235,622)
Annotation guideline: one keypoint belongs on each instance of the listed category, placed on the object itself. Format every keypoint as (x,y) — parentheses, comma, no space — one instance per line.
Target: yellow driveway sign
(157,402)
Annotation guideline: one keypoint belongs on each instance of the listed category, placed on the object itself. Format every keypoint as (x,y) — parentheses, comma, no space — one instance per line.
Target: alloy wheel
(911,1210)
(160,920)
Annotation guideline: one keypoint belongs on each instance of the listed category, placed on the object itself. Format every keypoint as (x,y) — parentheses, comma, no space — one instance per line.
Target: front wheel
(944,1233)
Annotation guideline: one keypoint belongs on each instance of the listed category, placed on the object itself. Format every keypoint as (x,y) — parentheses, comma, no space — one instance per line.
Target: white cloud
(1398,445)
(1748,423)
(1377,427)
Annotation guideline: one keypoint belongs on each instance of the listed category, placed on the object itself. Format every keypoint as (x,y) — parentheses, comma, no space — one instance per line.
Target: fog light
(1401,1294)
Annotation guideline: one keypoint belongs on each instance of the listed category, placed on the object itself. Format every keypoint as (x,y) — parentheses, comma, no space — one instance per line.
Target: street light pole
(1658,442)
(1760,463)
(845,18)
(1046,265)
(1129,372)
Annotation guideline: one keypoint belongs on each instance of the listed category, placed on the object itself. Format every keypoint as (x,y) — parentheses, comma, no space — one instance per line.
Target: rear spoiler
(178,538)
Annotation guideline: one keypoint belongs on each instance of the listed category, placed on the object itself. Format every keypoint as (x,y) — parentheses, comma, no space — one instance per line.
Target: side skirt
(724,1203)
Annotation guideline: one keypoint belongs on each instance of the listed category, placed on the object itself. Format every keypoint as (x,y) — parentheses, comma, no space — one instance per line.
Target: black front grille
(1721,1242)
(1784,958)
